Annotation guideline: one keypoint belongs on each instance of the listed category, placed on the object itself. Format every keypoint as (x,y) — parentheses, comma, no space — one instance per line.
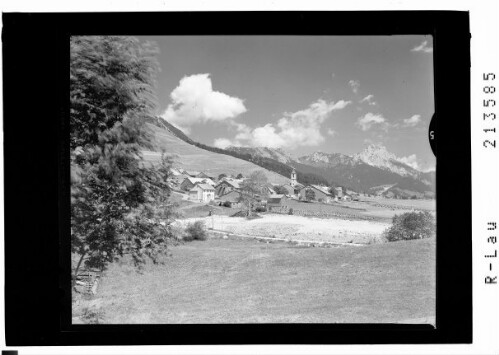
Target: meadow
(244,281)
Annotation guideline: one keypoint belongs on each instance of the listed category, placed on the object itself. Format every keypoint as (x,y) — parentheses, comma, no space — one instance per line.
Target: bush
(411,225)
(195,231)
(290,211)
(260,209)
(92,315)
(227,204)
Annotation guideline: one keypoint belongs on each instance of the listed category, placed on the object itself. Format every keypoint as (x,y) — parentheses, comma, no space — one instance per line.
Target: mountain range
(373,170)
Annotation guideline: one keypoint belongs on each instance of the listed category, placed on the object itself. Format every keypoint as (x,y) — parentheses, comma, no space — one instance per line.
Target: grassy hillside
(190,157)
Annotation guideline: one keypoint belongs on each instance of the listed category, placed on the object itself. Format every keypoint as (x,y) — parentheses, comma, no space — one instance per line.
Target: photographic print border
(36,135)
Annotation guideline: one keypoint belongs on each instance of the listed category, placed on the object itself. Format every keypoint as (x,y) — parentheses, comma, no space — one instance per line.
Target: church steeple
(293,177)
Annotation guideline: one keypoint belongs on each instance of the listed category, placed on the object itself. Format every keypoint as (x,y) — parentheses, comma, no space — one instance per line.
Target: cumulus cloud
(423,47)
(295,129)
(222,143)
(331,132)
(410,160)
(371,119)
(413,161)
(413,121)
(354,84)
(195,101)
(369,100)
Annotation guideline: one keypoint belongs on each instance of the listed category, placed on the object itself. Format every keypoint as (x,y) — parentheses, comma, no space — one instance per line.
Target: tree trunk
(77,269)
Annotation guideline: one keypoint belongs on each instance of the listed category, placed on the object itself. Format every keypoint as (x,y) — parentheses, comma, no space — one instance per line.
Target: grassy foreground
(239,281)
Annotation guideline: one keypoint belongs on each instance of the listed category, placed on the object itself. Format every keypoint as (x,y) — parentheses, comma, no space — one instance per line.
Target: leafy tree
(310,195)
(252,189)
(333,191)
(281,190)
(221,176)
(239,176)
(411,225)
(119,205)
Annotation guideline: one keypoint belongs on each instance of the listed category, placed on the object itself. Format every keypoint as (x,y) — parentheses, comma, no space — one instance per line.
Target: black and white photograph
(235,179)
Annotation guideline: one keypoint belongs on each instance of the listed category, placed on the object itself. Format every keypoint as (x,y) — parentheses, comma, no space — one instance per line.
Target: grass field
(373,209)
(239,281)
(334,230)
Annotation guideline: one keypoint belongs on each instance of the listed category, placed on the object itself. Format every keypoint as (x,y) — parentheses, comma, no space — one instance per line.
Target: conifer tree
(119,204)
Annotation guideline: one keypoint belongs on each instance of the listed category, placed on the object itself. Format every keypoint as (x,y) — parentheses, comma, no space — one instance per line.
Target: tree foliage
(411,225)
(280,190)
(119,204)
(309,194)
(253,188)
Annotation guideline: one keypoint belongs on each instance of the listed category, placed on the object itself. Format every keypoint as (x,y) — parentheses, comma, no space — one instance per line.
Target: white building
(202,193)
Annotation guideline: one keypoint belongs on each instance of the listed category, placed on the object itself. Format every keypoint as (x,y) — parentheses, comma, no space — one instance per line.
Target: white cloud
(410,160)
(194,101)
(371,119)
(413,121)
(354,84)
(267,136)
(296,129)
(423,47)
(331,132)
(222,143)
(369,100)
(413,162)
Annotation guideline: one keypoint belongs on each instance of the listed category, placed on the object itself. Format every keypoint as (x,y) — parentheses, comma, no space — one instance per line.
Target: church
(293,187)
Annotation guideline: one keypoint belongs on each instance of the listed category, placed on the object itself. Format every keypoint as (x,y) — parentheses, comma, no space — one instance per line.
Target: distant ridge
(364,172)
(305,175)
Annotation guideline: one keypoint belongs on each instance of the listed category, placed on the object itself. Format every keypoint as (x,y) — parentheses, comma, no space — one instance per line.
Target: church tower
(293,178)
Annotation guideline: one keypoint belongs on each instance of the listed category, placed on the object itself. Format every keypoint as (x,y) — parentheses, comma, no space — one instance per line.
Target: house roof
(233,183)
(275,199)
(322,189)
(175,171)
(191,172)
(200,181)
(203,175)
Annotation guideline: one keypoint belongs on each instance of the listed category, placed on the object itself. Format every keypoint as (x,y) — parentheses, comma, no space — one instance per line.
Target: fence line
(319,214)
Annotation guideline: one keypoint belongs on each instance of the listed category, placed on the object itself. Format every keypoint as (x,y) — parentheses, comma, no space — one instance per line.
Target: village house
(177,179)
(225,185)
(202,193)
(278,204)
(339,192)
(270,191)
(355,196)
(321,193)
(203,175)
(189,182)
(231,198)
(346,198)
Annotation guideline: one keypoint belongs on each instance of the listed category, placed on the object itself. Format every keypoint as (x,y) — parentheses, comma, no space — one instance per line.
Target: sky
(334,94)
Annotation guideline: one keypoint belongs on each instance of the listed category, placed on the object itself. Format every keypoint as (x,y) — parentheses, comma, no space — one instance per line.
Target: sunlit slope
(190,157)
